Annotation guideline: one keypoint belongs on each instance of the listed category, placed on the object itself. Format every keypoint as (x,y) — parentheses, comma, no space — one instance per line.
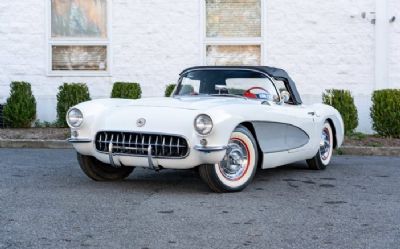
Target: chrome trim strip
(79,140)
(210,148)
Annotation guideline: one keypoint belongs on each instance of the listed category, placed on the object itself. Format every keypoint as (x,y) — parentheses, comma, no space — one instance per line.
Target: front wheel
(324,154)
(100,171)
(238,167)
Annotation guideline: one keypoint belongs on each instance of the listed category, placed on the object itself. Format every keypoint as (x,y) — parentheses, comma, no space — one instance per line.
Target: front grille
(137,144)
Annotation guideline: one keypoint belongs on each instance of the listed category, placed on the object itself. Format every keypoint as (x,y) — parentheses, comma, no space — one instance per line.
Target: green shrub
(344,103)
(385,112)
(126,90)
(70,94)
(169,89)
(20,108)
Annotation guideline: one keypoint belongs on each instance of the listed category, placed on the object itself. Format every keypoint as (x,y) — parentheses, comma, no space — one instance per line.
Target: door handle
(311,113)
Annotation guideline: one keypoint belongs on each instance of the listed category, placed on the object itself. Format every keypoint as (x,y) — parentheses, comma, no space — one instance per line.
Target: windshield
(243,83)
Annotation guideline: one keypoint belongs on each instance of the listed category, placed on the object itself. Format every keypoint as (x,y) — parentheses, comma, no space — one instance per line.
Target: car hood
(188,103)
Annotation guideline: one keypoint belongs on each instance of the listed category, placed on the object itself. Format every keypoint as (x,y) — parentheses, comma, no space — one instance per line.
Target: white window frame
(78,42)
(205,41)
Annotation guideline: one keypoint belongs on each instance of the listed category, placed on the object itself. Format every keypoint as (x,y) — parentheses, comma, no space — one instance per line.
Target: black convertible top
(275,73)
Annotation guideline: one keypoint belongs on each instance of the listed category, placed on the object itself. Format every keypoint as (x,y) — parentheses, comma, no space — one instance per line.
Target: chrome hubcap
(325,144)
(235,162)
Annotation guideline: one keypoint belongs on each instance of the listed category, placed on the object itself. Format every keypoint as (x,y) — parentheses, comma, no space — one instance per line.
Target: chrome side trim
(209,149)
(79,140)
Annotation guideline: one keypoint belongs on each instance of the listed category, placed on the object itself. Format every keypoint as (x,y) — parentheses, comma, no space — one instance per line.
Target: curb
(369,151)
(35,144)
(62,144)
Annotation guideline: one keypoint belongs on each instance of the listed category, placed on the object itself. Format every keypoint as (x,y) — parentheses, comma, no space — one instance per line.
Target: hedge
(344,103)
(385,112)
(70,94)
(126,90)
(20,108)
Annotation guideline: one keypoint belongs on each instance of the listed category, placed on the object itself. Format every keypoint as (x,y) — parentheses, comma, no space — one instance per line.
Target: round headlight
(74,117)
(203,124)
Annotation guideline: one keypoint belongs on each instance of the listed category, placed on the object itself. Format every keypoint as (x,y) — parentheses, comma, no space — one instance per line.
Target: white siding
(322,44)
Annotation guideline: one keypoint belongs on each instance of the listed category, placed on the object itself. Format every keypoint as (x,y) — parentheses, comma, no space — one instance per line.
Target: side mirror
(285,96)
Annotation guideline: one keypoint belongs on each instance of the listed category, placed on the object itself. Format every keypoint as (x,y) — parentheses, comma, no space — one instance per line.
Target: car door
(301,116)
(286,127)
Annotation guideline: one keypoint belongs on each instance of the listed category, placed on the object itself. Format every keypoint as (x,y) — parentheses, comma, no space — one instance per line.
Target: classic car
(226,122)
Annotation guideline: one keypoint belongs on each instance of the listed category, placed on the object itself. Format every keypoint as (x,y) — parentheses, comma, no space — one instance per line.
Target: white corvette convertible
(225,121)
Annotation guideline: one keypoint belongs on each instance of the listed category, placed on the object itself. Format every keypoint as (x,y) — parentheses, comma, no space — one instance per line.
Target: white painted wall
(322,44)
(394,44)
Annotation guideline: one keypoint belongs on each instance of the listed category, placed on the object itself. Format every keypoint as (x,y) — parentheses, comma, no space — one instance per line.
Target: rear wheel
(100,171)
(324,154)
(238,167)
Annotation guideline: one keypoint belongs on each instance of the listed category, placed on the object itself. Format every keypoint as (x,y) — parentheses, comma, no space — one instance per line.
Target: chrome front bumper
(153,164)
(79,140)
(199,155)
(209,149)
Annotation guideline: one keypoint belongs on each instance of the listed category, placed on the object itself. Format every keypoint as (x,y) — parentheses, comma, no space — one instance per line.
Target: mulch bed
(372,141)
(64,133)
(36,133)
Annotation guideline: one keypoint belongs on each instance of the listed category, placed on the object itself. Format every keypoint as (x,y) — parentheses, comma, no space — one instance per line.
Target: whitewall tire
(324,154)
(238,167)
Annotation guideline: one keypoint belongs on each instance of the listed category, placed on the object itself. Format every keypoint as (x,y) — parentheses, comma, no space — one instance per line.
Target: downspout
(381,45)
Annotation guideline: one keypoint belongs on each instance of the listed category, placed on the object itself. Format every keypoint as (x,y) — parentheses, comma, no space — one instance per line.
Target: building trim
(78,41)
(204,41)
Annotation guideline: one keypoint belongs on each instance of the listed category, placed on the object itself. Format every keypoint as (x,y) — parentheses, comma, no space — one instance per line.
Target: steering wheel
(249,94)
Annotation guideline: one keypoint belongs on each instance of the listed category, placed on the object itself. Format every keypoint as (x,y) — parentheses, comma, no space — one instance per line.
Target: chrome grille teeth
(130,143)
(156,146)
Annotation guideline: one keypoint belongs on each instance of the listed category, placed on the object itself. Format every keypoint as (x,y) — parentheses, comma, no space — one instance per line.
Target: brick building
(349,44)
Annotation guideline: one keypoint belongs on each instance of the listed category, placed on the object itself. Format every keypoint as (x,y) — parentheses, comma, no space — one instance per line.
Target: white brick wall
(323,44)
(394,44)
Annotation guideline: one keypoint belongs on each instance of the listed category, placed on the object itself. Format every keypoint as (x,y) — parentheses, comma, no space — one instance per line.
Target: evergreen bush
(169,89)
(385,112)
(343,101)
(20,108)
(70,94)
(126,90)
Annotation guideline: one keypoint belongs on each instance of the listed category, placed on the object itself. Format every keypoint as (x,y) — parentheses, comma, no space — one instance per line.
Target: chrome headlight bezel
(74,118)
(203,124)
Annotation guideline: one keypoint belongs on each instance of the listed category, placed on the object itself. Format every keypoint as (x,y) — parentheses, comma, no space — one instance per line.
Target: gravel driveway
(47,202)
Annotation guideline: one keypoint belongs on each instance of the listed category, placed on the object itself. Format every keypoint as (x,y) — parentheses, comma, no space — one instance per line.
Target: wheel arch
(335,139)
(250,127)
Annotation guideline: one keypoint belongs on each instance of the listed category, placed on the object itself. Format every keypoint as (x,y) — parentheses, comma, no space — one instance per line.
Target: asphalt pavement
(47,202)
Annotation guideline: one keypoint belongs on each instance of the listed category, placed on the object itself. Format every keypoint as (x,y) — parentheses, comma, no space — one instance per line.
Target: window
(233,32)
(79,37)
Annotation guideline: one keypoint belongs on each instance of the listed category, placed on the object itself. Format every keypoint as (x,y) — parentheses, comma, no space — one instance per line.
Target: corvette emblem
(141,122)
